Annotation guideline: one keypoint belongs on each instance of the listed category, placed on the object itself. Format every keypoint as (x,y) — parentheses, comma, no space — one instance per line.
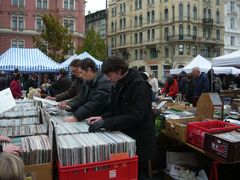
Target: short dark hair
(75,63)
(88,63)
(114,64)
(63,72)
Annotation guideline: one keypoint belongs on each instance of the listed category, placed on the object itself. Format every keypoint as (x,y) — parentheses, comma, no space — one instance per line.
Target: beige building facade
(160,34)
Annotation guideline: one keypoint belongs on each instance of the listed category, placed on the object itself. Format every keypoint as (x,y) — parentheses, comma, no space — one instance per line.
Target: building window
(232,41)
(112,26)
(180,12)
(188,12)
(136,54)
(115,26)
(69,23)
(138,4)
(39,24)
(135,38)
(124,23)
(121,24)
(148,35)
(204,13)
(194,49)
(217,2)
(140,21)
(173,30)
(180,49)
(218,34)
(218,17)
(18,23)
(208,33)
(194,32)
(140,37)
(154,70)
(69,4)
(173,13)
(112,42)
(189,30)
(42,4)
(17,43)
(166,14)
(166,71)
(153,53)
(188,49)
(166,33)
(232,4)
(232,23)
(19,3)
(124,39)
(194,13)
(121,40)
(209,13)
(148,17)
(153,16)
(166,52)
(153,34)
(135,21)
(140,54)
(180,32)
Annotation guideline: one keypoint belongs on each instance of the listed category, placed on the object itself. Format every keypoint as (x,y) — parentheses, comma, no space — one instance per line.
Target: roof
(27,59)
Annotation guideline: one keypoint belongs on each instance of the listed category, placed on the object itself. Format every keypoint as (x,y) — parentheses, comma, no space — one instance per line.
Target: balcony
(207,21)
(181,37)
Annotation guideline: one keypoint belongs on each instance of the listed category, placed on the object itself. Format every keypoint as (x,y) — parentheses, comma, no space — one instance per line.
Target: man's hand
(63,105)
(70,119)
(51,98)
(4,138)
(96,126)
(93,119)
(10,148)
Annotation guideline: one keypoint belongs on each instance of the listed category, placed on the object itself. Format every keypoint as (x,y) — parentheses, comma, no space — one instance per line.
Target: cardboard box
(39,171)
(177,128)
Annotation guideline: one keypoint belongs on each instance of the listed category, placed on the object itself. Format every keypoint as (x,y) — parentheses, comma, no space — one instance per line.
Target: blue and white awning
(82,56)
(27,60)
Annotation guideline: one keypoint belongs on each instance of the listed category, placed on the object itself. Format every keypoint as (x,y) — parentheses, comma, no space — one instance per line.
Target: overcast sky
(95,5)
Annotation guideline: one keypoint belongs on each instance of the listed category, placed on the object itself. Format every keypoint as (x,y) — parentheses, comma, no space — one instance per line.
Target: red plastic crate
(123,169)
(196,130)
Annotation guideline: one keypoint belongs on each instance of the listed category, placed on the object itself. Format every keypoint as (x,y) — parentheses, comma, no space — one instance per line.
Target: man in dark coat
(95,92)
(3,81)
(75,87)
(131,108)
(61,85)
(32,82)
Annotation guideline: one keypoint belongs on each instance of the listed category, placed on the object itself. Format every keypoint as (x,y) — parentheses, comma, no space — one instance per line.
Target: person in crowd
(153,82)
(95,92)
(3,81)
(32,82)
(75,87)
(201,84)
(171,87)
(131,109)
(62,83)
(189,88)
(183,83)
(215,83)
(146,76)
(12,167)
(15,86)
(10,148)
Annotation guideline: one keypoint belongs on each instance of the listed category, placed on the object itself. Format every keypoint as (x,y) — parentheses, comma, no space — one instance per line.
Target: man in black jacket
(131,108)
(3,81)
(94,96)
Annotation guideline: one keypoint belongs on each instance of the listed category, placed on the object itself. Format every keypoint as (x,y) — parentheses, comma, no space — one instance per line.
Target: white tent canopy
(231,59)
(198,61)
(204,66)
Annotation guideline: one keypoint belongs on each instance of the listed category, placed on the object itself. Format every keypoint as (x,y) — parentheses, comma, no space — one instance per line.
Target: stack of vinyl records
(93,147)
(23,130)
(71,128)
(19,122)
(36,149)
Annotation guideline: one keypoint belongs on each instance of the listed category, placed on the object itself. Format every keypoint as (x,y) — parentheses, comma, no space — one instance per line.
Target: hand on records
(63,105)
(96,126)
(10,148)
(4,138)
(70,119)
(93,119)
(51,98)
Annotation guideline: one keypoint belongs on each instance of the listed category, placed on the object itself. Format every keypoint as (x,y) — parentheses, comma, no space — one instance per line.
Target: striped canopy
(27,60)
(66,63)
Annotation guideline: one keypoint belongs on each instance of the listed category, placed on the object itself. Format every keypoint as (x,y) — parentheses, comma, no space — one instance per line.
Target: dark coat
(201,84)
(3,83)
(72,92)
(59,86)
(131,112)
(31,83)
(94,98)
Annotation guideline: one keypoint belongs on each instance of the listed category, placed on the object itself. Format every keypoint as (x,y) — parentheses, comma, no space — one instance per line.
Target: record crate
(223,149)
(196,130)
(117,169)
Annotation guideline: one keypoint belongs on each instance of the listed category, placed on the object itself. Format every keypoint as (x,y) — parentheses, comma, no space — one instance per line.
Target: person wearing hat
(62,83)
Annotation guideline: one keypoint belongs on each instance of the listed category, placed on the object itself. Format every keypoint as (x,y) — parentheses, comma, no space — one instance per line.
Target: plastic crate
(196,130)
(123,169)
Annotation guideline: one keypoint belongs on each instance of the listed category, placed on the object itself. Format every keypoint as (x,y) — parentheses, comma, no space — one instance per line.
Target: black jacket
(93,99)
(131,112)
(72,92)
(59,86)
(3,83)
